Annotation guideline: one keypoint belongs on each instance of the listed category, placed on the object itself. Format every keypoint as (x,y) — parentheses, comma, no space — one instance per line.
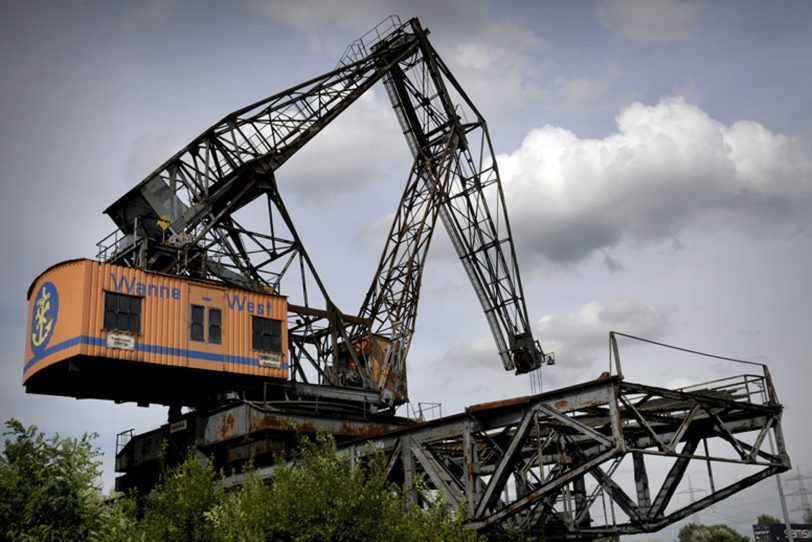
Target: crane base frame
(545,464)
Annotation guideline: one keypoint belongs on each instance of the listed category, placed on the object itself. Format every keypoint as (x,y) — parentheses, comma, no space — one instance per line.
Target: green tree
(118,523)
(176,508)
(48,486)
(710,533)
(243,514)
(767,519)
(320,497)
(49,492)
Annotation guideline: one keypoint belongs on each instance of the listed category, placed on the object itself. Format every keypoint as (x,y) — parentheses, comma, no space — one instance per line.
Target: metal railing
(117,244)
(360,48)
(424,412)
(122,439)
(752,388)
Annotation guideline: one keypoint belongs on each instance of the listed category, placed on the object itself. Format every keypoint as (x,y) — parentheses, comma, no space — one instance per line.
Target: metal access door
(206,330)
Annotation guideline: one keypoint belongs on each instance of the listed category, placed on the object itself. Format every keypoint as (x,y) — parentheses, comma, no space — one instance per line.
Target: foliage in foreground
(49,491)
(48,486)
(767,519)
(710,533)
(321,498)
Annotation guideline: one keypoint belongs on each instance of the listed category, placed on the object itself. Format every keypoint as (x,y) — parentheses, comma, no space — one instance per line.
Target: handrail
(768,389)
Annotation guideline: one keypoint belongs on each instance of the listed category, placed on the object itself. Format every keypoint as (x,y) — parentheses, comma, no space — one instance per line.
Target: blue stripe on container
(147,348)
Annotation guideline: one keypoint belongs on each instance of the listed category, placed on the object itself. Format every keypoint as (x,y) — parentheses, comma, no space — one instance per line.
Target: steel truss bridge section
(553,464)
(600,458)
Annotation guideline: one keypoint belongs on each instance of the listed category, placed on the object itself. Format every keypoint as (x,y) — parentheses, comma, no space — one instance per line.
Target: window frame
(133,301)
(218,325)
(262,333)
(201,323)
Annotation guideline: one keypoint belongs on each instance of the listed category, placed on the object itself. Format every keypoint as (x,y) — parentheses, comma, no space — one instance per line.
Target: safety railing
(753,388)
(360,48)
(122,439)
(424,412)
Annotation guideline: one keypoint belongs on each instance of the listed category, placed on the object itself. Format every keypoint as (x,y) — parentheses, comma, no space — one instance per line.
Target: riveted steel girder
(549,464)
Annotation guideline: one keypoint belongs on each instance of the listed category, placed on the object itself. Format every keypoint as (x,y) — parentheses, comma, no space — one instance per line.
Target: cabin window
(122,312)
(267,334)
(215,325)
(196,323)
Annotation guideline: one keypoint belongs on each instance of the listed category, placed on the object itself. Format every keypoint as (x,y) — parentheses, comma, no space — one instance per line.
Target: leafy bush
(710,533)
(176,507)
(320,497)
(49,492)
(48,486)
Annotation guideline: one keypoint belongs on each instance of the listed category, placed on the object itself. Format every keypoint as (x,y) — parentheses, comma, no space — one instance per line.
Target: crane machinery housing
(186,307)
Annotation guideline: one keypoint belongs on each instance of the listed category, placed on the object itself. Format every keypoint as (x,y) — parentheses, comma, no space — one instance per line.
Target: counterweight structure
(544,464)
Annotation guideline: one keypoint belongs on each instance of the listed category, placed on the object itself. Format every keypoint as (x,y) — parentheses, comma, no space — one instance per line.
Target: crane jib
(181,219)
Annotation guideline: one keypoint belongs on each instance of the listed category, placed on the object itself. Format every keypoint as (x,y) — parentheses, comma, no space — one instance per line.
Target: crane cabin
(103,331)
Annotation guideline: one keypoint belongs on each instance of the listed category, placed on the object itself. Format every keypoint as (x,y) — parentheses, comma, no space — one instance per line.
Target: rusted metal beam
(499,477)
(673,478)
(524,461)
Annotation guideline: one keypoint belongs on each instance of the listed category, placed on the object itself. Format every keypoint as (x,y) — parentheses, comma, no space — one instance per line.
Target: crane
(543,464)
(181,218)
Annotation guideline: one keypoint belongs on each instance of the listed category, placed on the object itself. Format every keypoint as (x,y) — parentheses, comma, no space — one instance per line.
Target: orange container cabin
(103,331)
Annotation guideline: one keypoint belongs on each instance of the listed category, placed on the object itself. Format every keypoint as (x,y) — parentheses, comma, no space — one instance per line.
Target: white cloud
(648,21)
(479,351)
(497,57)
(582,94)
(581,338)
(669,168)
(359,16)
(499,65)
(579,90)
(154,13)
(498,43)
(375,234)
(358,148)
(470,372)
(309,14)
(148,151)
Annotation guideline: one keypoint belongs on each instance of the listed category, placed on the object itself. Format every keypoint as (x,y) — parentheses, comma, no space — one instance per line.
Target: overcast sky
(655,158)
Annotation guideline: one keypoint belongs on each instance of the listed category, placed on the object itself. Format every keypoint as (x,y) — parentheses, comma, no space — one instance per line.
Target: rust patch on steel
(340,428)
(565,459)
(227,426)
(364,430)
(497,404)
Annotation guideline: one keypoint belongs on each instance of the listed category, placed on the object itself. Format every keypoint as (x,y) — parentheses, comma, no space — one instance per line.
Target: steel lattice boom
(181,218)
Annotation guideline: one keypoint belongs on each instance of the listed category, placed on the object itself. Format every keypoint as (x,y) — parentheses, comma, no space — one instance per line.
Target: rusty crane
(546,464)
